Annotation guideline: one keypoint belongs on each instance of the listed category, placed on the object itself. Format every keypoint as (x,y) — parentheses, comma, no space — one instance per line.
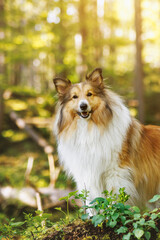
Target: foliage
(31,228)
(109,211)
(122,217)
(67,200)
(96,33)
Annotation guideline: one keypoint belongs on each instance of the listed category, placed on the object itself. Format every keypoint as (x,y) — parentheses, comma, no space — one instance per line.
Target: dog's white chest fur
(92,157)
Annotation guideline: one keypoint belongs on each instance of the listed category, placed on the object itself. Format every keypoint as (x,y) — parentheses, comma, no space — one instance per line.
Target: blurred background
(69,38)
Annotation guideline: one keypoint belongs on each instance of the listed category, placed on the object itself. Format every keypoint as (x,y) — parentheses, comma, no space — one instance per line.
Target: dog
(102,146)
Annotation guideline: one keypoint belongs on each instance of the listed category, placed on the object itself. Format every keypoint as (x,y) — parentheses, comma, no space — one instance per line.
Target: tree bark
(2,66)
(84,34)
(35,136)
(1,110)
(17,74)
(139,85)
(97,36)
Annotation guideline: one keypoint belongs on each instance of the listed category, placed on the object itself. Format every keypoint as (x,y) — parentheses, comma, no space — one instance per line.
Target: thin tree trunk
(61,47)
(17,74)
(139,85)
(84,33)
(1,110)
(97,36)
(2,66)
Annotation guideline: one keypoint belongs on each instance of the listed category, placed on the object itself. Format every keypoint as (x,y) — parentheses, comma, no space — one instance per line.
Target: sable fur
(104,147)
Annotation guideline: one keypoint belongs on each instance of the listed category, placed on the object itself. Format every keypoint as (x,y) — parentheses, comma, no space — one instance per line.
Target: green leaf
(99,199)
(151,224)
(154,210)
(136,209)
(147,235)
(122,230)
(72,194)
(17,224)
(97,219)
(154,216)
(64,198)
(38,212)
(146,214)
(73,201)
(123,219)
(127,236)
(115,216)
(128,221)
(137,216)
(120,206)
(38,219)
(127,206)
(135,225)
(155,198)
(84,216)
(141,221)
(138,233)
(58,208)
(112,224)
(128,212)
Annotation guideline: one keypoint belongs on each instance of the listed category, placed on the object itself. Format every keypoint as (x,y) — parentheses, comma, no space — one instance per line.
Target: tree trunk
(84,33)
(61,46)
(97,36)
(139,86)
(1,110)
(17,74)
(2,66)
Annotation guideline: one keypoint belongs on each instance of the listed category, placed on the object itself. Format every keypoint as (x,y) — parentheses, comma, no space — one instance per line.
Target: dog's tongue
(84,114)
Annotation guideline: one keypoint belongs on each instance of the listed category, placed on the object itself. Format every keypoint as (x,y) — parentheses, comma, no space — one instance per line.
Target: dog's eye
(89,94)
(75,96)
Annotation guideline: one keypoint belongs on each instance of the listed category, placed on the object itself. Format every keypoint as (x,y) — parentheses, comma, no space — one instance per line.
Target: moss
(105,237)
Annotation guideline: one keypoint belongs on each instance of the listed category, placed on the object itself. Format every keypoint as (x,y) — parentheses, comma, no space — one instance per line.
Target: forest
(41,40)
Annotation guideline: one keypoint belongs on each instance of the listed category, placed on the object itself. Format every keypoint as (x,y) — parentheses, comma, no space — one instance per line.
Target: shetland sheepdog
(101,145)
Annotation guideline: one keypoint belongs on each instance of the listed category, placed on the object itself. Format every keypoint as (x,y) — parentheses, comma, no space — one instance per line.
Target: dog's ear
(61,85)
(95,77)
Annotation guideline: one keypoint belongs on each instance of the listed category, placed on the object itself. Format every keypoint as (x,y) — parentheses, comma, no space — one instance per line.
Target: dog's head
(87,100)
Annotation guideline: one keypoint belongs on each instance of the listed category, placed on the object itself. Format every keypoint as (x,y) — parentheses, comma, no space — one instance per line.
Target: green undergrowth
(16,146)
(110,214)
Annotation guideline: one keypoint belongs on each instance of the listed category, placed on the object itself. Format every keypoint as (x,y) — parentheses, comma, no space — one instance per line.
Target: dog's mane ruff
(98,152)
(111,108)
(109,150)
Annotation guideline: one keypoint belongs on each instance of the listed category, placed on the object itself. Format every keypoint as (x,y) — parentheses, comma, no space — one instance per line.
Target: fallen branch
(35,136)
(28,196)
(48,149)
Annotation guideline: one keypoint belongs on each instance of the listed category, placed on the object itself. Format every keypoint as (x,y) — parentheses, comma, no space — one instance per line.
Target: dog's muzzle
(84,109)
(84,114)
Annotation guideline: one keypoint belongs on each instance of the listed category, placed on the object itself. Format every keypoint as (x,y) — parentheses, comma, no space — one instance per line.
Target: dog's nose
(83,106)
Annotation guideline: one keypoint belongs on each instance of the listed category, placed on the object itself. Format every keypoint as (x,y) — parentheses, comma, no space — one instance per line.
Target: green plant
(37,225)
(31,228)
(11,229)
(125,219)
(83,197)
(66,198)
(110,210)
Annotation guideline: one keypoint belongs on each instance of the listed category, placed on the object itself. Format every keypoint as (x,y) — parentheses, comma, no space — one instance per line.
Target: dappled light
(41,40)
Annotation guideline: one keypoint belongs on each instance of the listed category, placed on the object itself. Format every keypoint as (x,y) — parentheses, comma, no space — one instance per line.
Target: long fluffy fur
(109,149)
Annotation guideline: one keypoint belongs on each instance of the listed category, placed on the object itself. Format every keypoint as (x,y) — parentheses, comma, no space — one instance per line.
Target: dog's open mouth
(84,114)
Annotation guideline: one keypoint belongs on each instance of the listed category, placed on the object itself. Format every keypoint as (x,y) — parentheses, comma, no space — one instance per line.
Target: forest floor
(16,147)
(79,230)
